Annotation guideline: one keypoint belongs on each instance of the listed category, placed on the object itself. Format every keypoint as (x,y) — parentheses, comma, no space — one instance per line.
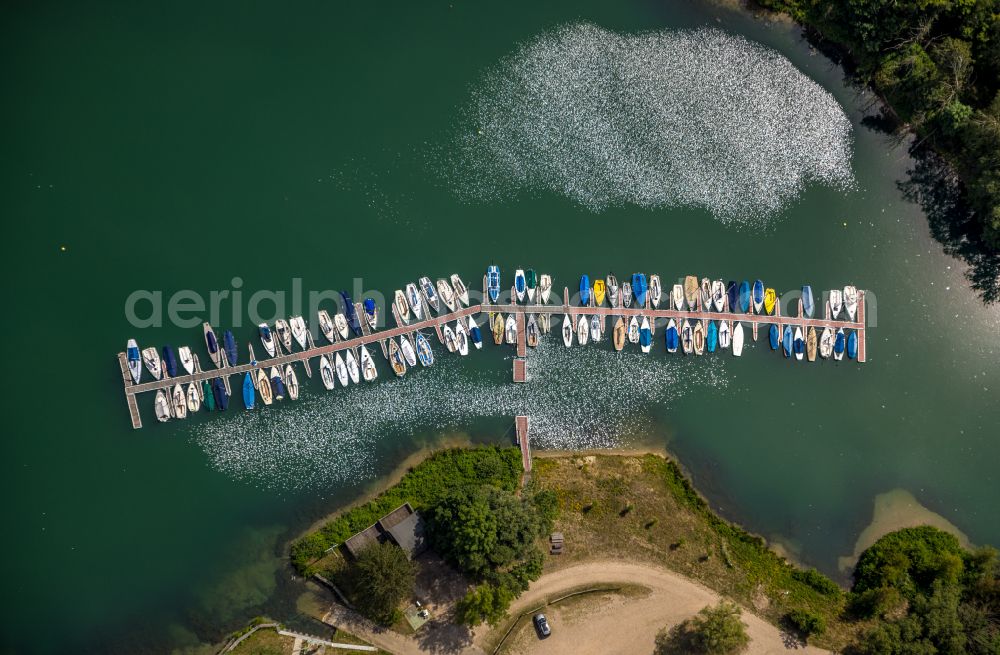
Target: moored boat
(584,290)
(773,336)
(368,370)
(461,337)
(179,401)
(639,288)
(249,393)
(712,337)
(424,352)
(545,322)
(725,336)
(413,300)
(826,343)
(836,302)
(326,325)
(134,360)
(449,338)
(353,370)
(409,354)
(626,294)
(545,287)
(446,293)
(655,290)
(744,304)
(758,296)
(402,307)
(161,406)
(221,396)
(350,313)
(277,384)
(229,343)
(718,295)
(291,382)
(851,301)
(582,330)
(599,292)
(298,325)
(266,338)
(786,341)
(430,295)
(687,337)
(396,359)
(699,338)
(341,368)
(645,336)
(475,334)
(284,333)
(732,296)
(461,291)
(264,387)
(207,397)
(677,297)
(808,303)
(511,330)
(691,292)
(498,325)
(738,339)
(326,372)
(770,300)
(193,399)
(611,282)
(618,334)
(152,361)
(811,344)
(371,313)
(531,332)
(212,344)
(595,328)
(340,321)
(520,286)
(633,330)
(705,297)
(531,282)
(493,282)
(798,344)
(567,331)
(852,344)
(170,361)
(839,344)
(670,336)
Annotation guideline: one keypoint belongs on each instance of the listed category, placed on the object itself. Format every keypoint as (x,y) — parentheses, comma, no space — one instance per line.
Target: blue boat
(786,341)
(744,297)
(773,336)
(249,393)
(475,334)
(639,288)
(713,336)
(645,338)
(799,345)
(351,314)
(371,312)
(808,304)
(221,397)
(229,342)
(733,292)
(852,345)
(758,296)
(424,351)
(170,361)
(584,290)
(493,282)
(839,345)
(671,338)
(277,385)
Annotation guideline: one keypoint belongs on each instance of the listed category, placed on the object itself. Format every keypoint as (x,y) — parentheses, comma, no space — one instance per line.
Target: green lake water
(179,148)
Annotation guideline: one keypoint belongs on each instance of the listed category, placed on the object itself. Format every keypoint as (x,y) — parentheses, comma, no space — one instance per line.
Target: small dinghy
(277,384)
(221,397)
(298,325)
(249,393)
(531,280)
(447,294)
(511,330)
(413,300)
(655,290)
(645,336)
(595,328)
(152,361)
(545,287)
(799,345)
(212,344)
(691,292)
(264,387)
(353,370)
(567,331)
(449,338)
(627,294)
(424,352)
(744,304)
(786,341)
(712,337)
(341,368)
(368,370)
(808,303)
(611,283)
(429,294)
(267,339)
(476,335)
(826,343)
(687,337)
(207,397)
(584,290)
(396,359)
(179,401)
(193,399)
(758,296)
(599,292)
(493,282)
(291,382)
(677,297)
(284,333)
(851,301)
(811,344)
(498,325)
(699,338)
(770,300)
(531,330)
(633,330)
(401,306)
(409,354)
(618,334)
(582,330)
(718,296)
(639,288)
(461,291)
(229,343)
(839,344)
(705,297)
(738,339)
(170,361)
(326,372)
(852,344)
(520,286)
(725,336)
(836,302)
(670,337)
(134,359)
(162,406)
(340,322)
(371,313)
(732,296)
(773,337)
(461,338)
(326,325)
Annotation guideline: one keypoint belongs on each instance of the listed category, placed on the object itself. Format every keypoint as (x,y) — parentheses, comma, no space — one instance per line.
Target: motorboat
(545,287)
(267,339)
(706,295)
(773,337)
(193,399)
(798,345)
(744,305)
(645,336)
(851,301)
(368,370)
(326,372)
(277,384)
(770,300)
(811,344)
(584,291)
(786,341)
(498,325)
(179,401)
(424,352)
(449,338)
(725,336)
(152,360)
(413,300)
(595,328)
(284,333)
(699,338)
(396,359)
(808,303)
(618,334)
(291,382)
(718,296)
(633,330)
(475,334)
(461,291)
(229,343)
(531,331)
(212,344)
(493,282)
(567,331)
(712,337)
(836,302)
(351,362)
(732,295)
(264,387)
(531,282)
(655,290)
(134,359)
(340,321)
(249,393)
(639,288)
(429,294)
(691,292)
(677,297)
(687,337)
(207,397)
(670,336)
(626,294)
(852,344)
(221,396)
(341,369)
(738,339)
(162,406)
(446,293)
(511,330)
(351,313)
(371,313)
(611,282)
(326,324)
(461,337)
(170,361)
(599,292)
(520,286)
(839,344)
(582,330)
(758,296)
(298,326)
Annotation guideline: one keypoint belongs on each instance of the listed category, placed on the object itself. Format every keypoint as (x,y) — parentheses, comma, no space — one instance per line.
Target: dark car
(542,625)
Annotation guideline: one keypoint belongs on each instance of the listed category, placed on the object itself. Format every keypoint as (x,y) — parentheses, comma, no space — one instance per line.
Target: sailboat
(626,294)
(655,290)
(599,292)
(732,296)
(691,291)
(725,336)
(429,294)
(633,330)
(826,343)
(852,344)
(545,287)
(612,286)
(221,396)
(498,325)
(249,393)
(368,370)
(670,336)
(531,331)
(461,337)
(134,360)
(770,300)
(639,288)
(267,339)
(758,296)
(277,384)
(738,339)
(699,338)
(519,284)
(341,322)
(744,305)
(424,352)
(582,330)
(179,402)
(798,345)
(493,282)
(677,297)
(161,406)
(406,348)
(618,334)
(341,368)
(402,307)
(687,337)
(773,336)
(169,361)
(352,366)
(449,338)
(371,313)
(447,293)
(567,331)
(808,303)
(706,294)
(207,396)
(229,343)
(531,281)
(712,337)
(851,301)
(413,300)
(544,322)
(326,372)
(511,330)
(461,291)
(396,359)
(595,328)
(291,382)
(351,312)
(584,290)
(264,387)
(836,302)
(284,333)
(298,326)
(212,344)
(645,336)
(718,295)
(839,345)
(786,341)
(326,324)
(152,360)
(476,335)
(811,344)
(193,399)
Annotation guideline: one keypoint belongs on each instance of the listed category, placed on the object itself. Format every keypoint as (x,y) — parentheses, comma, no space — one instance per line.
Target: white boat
(626,291)
(424,352)
(187,360)
(738,339)
(162,406)
(352,366)
(655,290)
(595,328)
(193,399)
(407,349)
(472,326)
(545,287)
(326,372)
(461,291)
(134,359)
(291,382)
(446,294)
(531,332)
(368,370)
(633,330)
(461,338)
(706,294)
(325,326)
(284,333)
(277,384)
(519,284)
(510,330)
(429,294)
(179,400)
(340,368)
(413,299)
(582,330)
(298,326)
(450,342)
(836,302)
(826,343)
(264,387)
(611,284)
(725,336)
(718,295)
(798,339)
(402,307)
(567,331)
(396,359)
(851,301)
(672,325)
(341,322)
(677,296)
(544,323)
(645,327)
(152,360)
(687,337)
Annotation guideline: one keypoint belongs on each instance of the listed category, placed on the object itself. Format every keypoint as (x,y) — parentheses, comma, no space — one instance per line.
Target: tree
(719,631)
(486,602)
(380,579)
(806,623)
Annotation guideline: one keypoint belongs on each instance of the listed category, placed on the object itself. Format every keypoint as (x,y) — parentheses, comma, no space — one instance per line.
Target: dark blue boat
(229,341)
(213,345)
(639,288)
(758,296)
(584,290)
(733,292)
(351,314)
(773,336)
(671,338)
(786,341)
(221,397)
(476,335)
(799,347)
(645,337)
(277,387)
(744,296)
(713,336)
(249,395)
(170,361)
(839,344)
(852,345)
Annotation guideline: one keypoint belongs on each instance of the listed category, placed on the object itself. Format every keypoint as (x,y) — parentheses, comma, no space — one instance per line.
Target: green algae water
(239,148)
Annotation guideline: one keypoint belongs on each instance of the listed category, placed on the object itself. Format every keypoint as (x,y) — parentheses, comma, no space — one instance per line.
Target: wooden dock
(521,427)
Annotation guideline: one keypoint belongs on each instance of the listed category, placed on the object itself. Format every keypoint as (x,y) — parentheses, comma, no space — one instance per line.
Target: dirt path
(631,624)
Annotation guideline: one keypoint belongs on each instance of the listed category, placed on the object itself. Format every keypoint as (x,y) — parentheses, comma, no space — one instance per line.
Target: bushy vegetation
(806,623)
(422,486)
(937,63)
(382,576)
(717,630)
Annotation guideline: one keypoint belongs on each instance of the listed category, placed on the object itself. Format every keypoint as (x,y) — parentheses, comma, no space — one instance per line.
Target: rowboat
(626,294)
(836,302)
(461,337)
(633,330)
(447,293)
(152,361)
(326,372)
(341,322)
(531,330)
(567,331)
(808,303)
(449,339)
(582,331)
(599,292)
(402,307)
(475,334)
(277,384)
(498,324)
(699,338)
(291,382)
(691,291)
(732,295)
(618,334)
(738,339)
(677,297)
(511,330)
(493,282)
(773,336)
(531,281)
(839,344)
(169,361)
(798,345)
(264,387)
(584,290)
(852,344)
(424,352)
(595,328)
(744,305)
(371,312)
(786,341)
(655,290)
(284,333)
(351,362)
(249,393)
(758,296)
(712,337)
(687,337)
(396,359)
(298,326)
(211,343)
(161,406)
(811,344)
(851,301)
(645,336)
(193,399)
(414,301)
(545,287)
(706,295)
(429,294)
(670,336)
(134,359)
(639,288)
(179,401)
(826,343)
(368,370)
(461,291)
(770,300)
(520,286)
(725,336)
(229,344)
(611,282)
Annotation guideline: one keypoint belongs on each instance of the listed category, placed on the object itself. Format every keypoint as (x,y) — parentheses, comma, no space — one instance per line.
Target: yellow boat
(769,299)
(599,292)
(498,328)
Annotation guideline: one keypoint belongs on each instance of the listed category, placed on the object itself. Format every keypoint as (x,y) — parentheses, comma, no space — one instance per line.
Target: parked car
(542,625)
